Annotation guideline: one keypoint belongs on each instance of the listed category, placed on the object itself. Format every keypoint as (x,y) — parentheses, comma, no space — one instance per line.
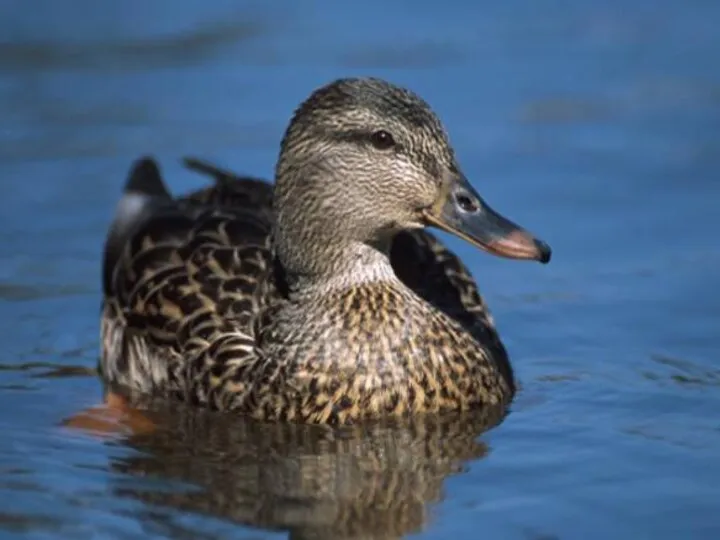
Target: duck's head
(362,160)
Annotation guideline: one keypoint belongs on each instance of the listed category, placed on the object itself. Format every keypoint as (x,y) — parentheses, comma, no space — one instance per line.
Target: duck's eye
(465,203)
(382,140)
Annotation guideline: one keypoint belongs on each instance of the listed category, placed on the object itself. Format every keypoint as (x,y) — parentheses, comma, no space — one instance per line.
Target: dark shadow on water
(15,292)
(23,524)
(50,370)
(682,372)
(161,51)
(40,370)
(314,482)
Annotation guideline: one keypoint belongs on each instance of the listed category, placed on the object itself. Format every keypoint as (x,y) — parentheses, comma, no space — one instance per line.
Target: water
(595,124)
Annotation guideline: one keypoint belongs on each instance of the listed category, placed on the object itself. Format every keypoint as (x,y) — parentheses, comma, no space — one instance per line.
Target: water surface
(595,124)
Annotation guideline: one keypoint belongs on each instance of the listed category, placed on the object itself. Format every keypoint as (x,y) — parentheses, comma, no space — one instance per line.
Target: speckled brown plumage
(304,302)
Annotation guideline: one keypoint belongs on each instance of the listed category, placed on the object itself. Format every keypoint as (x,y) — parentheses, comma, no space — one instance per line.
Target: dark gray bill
(466,215)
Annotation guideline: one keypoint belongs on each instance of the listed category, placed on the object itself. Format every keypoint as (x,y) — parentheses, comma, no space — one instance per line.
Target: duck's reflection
(315,482)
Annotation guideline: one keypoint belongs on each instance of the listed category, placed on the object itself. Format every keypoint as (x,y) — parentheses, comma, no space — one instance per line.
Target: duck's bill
(464,214)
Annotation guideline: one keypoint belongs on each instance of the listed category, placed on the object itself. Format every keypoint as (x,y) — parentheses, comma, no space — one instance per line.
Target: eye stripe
(362,137)
(358,136)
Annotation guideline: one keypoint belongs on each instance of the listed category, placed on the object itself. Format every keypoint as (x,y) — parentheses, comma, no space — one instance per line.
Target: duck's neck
(332,265)
(326,238)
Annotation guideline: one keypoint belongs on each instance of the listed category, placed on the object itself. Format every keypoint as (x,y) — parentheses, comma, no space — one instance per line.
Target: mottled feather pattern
(371,362)
(192,309)
(189,272)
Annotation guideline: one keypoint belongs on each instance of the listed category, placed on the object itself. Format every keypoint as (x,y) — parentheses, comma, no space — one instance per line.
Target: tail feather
(144,193)
(145,179)
(221,176)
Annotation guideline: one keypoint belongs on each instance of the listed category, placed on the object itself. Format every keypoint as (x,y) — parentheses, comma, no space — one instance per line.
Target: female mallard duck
(321,299)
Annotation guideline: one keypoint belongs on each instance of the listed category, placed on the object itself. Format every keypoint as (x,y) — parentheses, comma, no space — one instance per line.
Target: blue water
(594,124)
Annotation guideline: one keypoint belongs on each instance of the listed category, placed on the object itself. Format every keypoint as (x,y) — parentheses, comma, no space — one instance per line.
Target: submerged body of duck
(320,298)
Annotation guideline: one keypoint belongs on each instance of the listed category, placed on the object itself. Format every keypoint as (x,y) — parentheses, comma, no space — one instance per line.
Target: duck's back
(179,271)
(184,278)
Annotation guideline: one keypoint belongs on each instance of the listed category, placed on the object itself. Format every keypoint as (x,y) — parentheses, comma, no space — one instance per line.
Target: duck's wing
(230,189)
(179,271)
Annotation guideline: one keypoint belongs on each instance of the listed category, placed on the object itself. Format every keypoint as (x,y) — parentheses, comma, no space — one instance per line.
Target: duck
(319,298)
